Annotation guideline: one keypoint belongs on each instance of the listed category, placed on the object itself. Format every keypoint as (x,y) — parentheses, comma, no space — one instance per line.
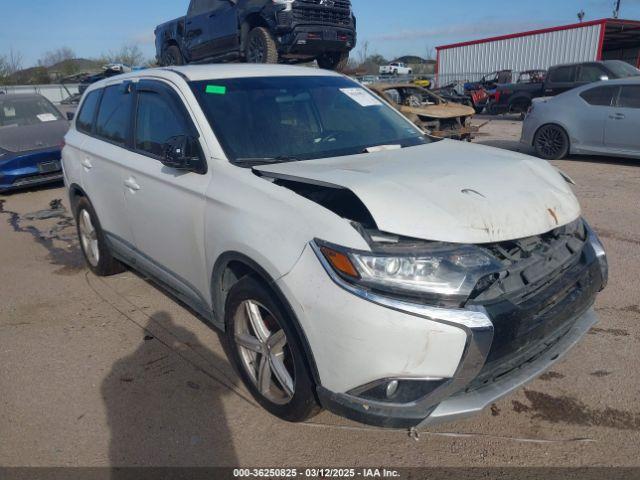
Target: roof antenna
(581,15)
(616,11)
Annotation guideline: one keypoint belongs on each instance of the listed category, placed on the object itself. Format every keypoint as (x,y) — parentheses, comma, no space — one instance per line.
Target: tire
(93,242)
(333,61)
(261,47)
(172,56)
(274,325)
(551,142)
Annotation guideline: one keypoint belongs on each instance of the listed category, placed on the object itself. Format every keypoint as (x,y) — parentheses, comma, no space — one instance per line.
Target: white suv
(353,262)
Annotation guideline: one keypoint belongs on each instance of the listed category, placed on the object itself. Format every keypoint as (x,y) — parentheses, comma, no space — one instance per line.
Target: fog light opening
(392,388)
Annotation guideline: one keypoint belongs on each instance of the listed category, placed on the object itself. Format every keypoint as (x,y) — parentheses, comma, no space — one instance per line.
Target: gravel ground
(100,372)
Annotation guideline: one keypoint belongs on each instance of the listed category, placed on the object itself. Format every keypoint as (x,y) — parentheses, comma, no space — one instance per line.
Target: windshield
(300,118)
(23,111)
(622,69)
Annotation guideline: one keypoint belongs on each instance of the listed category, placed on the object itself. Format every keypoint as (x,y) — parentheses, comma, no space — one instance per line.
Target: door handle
(86,163)
(131,184)
(617,116)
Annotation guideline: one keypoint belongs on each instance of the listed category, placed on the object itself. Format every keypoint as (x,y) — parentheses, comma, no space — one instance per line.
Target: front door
(591,123)
(223,26)
(623,124)
(166,206)
(197,37)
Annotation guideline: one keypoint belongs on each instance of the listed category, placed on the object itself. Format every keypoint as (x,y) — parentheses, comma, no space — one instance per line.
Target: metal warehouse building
(605,39)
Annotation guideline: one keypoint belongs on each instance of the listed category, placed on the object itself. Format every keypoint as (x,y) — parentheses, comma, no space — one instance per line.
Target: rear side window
(115,114)
(630,97)
(600,96)
(563,75)
(84,122)
(591,73)
(157,122)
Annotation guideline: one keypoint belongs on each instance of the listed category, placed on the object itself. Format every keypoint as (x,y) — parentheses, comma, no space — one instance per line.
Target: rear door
(560,80)
(103,157)
(623,123)
(197,35)
(166,206)
(223,26)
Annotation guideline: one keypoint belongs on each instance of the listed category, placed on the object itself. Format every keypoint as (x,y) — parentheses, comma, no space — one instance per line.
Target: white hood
(448,191)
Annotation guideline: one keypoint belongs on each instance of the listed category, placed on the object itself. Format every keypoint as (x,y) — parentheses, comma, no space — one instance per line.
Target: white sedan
(597,119)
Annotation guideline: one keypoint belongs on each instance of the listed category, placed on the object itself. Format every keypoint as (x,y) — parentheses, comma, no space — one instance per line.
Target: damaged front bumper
(492,365)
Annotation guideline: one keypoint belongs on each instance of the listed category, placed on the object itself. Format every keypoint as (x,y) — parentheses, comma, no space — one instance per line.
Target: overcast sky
(392,27)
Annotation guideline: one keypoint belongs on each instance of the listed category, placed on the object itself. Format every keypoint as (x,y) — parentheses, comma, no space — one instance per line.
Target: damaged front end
(522,303)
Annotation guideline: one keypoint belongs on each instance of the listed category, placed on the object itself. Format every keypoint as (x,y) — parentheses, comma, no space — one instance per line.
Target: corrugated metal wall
(539,51)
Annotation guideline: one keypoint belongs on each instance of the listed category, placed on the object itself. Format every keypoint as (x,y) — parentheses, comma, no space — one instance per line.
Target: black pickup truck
(260,31)
(517,97)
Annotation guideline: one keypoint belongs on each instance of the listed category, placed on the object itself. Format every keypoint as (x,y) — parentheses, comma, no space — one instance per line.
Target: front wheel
(333,61)
(261,47)
(551,142)
(266,352)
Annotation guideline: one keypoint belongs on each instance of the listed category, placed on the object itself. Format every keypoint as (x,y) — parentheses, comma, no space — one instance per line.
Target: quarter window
(600,96)
(115,114)
(630,97)
(84,122)
(157,122)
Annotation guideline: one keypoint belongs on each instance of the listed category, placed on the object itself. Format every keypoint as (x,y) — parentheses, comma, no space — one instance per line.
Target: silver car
(597,119)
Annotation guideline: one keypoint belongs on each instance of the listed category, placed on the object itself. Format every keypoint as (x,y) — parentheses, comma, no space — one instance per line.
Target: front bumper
(31,169)
(314,40)
(460,405)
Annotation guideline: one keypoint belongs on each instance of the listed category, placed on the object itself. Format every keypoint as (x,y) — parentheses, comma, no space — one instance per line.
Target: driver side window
(157,122)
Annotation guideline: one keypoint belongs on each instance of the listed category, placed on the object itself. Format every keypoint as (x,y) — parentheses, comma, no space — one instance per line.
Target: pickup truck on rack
(260,31)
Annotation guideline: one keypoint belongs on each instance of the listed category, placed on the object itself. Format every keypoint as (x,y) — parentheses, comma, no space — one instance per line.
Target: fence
(54,93)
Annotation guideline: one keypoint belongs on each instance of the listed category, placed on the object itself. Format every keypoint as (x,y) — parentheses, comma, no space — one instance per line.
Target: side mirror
(604,78)
(70,116)
(182,152)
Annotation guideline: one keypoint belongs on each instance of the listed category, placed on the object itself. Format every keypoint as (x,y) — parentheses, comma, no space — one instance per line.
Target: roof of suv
(220,72)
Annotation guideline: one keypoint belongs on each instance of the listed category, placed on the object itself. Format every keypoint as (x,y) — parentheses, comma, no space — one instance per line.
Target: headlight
(440,273)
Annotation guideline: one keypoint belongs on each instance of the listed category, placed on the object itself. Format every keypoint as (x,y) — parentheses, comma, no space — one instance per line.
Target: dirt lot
(98,372)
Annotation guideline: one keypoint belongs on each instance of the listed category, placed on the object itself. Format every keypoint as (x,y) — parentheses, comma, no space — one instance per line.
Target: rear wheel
(551,142)
(266,351)
(93,242)
(172,56)
(261,47)
(333,61)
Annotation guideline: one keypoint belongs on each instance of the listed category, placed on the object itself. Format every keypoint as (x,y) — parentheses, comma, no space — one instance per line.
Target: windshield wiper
(265,160)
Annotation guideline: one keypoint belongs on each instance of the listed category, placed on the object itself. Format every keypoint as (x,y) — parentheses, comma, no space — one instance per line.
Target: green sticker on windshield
(216,90)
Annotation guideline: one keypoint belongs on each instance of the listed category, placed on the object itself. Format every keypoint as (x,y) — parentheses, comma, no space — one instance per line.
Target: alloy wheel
(256,52)
(264,352)
(89,238)
(550,142)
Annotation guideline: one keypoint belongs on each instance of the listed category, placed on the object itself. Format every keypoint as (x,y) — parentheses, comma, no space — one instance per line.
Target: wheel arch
(229,269)
(251,21)
(75,194)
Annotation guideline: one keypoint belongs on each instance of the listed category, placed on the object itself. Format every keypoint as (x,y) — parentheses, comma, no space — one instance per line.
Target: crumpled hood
(448,191)
(33,137)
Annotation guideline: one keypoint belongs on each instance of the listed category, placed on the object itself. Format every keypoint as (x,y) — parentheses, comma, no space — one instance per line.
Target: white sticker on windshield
(361,96)
(47,117)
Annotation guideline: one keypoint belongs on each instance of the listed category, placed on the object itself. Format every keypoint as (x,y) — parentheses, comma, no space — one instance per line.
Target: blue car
(32,134)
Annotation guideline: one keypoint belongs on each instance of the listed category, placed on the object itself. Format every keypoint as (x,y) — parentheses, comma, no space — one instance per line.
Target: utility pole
(616,12)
